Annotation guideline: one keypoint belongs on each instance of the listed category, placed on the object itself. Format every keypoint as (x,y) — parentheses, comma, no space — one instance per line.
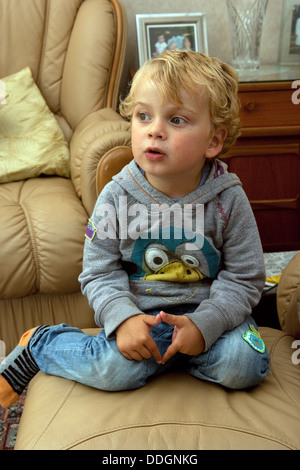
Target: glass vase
(246,21)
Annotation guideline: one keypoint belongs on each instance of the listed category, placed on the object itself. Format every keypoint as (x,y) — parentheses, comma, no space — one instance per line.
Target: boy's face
(171,143)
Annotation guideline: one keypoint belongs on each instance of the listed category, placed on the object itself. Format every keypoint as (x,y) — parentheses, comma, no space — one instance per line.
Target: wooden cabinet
(267,159)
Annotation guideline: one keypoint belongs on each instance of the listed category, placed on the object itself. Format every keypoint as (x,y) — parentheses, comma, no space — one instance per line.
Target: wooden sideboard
(266,157)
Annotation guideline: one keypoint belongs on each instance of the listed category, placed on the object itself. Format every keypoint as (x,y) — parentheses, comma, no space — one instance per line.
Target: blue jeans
(67,352)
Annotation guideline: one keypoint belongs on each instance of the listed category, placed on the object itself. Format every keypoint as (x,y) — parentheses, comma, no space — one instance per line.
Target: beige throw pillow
(31,141)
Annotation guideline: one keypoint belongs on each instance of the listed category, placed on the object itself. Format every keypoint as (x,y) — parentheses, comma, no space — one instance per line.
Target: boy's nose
(157,130)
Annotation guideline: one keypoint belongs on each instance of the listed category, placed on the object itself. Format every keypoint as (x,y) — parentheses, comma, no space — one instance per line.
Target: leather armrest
(95,136)
(111,164)
(288,298)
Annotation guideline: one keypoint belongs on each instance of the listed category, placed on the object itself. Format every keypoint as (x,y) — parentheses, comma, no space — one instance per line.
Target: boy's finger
(152,347)
(170,352)
(152,320)
(171,319)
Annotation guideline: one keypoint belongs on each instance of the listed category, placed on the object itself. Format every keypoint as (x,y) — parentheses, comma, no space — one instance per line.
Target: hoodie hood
(133,182)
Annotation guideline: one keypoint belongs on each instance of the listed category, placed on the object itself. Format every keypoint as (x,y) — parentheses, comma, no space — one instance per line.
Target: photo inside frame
(289,43)
(171,37)
(295,31)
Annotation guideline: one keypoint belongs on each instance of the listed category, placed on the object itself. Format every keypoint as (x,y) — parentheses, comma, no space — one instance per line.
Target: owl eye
(156,258)
(190,260)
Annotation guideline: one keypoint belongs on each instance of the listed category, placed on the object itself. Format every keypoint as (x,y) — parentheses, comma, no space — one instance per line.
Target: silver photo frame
(289,49)
(158,32)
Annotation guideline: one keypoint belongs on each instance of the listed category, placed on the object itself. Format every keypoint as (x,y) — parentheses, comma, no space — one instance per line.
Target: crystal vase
(246,21)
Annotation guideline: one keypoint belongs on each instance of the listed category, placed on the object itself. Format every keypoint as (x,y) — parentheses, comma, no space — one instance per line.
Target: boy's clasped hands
(135,342)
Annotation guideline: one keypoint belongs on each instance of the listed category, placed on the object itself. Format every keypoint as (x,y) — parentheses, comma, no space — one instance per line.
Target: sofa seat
(173,411)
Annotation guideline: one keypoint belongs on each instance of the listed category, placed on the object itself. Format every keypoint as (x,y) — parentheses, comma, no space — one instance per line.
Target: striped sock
(17,369)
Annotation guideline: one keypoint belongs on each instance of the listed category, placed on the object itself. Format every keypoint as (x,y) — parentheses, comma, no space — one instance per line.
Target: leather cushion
(173,411)
(42,229)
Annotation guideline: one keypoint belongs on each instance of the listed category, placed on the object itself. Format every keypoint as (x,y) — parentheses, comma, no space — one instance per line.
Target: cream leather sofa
(75,50)
(177,411)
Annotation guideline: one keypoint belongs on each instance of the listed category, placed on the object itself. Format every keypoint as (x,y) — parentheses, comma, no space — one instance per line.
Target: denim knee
(245,370)
(121,374)
(236,361)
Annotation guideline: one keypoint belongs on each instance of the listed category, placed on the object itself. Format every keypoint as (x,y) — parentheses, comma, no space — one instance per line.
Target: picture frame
(289,49)
(157,32)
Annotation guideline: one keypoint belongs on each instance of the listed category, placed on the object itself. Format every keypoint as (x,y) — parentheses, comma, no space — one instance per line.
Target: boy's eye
(144,117)
(177,120)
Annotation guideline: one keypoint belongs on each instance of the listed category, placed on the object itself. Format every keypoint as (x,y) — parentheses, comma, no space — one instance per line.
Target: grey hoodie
(144,251)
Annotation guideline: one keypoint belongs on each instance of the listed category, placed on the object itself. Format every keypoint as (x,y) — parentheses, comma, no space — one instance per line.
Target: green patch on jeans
(253,338)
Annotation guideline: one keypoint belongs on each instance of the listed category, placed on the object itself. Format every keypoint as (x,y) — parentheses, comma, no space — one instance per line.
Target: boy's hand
(134,340)
(187,338)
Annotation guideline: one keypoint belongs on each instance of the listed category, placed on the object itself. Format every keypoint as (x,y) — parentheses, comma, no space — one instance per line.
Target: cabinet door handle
(250,106)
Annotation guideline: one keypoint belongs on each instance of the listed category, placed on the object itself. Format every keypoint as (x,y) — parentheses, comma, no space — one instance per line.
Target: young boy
(173,263)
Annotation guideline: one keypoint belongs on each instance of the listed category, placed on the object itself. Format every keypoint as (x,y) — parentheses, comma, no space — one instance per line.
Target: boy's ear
(216,143)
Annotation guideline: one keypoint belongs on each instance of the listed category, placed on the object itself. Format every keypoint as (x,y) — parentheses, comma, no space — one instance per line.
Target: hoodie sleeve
(103,280)
(239,283)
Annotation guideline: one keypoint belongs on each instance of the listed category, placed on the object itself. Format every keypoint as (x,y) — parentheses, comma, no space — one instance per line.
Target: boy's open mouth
(154,153)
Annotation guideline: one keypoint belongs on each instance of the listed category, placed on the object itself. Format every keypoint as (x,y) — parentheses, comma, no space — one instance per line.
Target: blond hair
(192,71)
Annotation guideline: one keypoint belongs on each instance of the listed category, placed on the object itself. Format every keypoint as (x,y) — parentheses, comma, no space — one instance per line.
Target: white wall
(219,41)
